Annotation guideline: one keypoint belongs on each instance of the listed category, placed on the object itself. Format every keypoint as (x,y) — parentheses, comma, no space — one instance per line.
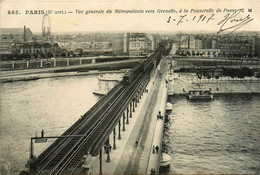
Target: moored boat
(99,92)
(110,77)
(199,94)
(168,106)
(170,78)
(165,160)
(19,78)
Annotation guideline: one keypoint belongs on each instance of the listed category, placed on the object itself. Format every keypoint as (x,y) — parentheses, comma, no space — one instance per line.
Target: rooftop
(14,31)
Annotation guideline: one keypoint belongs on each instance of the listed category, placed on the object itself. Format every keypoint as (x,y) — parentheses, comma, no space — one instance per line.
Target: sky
(151,18)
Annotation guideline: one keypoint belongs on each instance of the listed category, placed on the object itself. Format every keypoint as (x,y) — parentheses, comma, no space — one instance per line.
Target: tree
(49,55)
(258,76)
(199,75)
(208,77)
(217,77)
(35,56)
(240,74)
(232,73)
(25,55)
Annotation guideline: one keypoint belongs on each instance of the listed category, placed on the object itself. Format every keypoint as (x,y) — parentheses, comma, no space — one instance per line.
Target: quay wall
(97,68)
(181,84)
(60,62)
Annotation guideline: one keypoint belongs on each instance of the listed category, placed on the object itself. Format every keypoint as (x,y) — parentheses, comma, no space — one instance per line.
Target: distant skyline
(152,32)
(163,33)
(121,22)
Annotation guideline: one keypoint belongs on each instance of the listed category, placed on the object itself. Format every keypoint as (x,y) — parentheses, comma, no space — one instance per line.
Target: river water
(221,136)
(217,137)
(52,104)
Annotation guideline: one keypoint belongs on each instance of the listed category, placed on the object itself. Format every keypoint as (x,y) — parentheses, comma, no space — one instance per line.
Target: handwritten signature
(231,21)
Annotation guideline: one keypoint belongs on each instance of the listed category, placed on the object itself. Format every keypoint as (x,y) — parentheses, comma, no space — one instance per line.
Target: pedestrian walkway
(155,153)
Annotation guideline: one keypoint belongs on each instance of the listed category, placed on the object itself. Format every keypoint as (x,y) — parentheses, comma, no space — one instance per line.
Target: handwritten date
(230,22)
(183,18)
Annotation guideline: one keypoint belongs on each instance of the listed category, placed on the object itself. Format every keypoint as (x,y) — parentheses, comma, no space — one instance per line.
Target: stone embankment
(182,82)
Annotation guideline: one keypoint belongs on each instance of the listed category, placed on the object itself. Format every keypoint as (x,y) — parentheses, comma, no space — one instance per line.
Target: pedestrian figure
(157,149)
(210,89)
(153,149)
(183,90)
(217,89)
(136,143)
(152,171)
(159,115)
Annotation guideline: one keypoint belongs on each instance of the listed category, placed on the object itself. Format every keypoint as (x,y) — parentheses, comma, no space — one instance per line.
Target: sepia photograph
(113,87)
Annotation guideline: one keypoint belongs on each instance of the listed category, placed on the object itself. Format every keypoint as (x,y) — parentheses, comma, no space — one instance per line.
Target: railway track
(99,133)
(85,124)
(75,146)
(110,122)
(95,125)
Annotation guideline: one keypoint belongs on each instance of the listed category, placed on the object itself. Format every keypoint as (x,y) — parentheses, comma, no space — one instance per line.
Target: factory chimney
(24,33)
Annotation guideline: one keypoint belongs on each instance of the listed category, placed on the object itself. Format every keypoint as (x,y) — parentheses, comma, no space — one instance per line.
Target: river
(217,137)
(220,136)
(52,104)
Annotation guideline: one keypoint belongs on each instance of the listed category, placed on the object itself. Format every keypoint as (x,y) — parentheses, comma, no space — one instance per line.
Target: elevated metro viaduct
(85,139)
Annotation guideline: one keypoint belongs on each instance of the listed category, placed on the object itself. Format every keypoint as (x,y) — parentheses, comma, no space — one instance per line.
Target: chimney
(24,33)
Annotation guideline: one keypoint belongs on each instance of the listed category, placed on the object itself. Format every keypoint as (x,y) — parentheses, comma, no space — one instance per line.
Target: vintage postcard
(129,87)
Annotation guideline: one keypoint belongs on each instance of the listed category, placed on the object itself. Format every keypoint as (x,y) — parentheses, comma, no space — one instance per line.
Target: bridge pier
(119,130)
(130,115)
(107,149)
(114,139)
(127,117)
(100,162)
(123,122)
(141,93)
(134,105)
